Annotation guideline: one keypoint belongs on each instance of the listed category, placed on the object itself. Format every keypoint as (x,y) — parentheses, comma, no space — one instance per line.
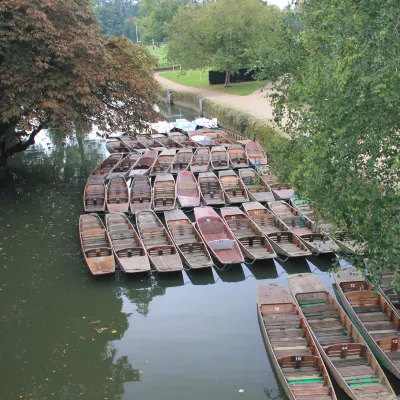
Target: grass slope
(159,52)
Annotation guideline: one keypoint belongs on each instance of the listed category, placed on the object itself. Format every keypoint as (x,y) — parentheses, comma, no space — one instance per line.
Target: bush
(243,75)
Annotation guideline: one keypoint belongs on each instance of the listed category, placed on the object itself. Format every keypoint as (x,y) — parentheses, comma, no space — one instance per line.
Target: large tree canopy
(56,71)
(340,95)
(224,35)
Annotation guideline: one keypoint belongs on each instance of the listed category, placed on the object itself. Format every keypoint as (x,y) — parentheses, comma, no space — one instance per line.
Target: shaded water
(67,335)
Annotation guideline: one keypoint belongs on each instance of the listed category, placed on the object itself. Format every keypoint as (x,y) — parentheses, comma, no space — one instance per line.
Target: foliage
(339,91)
(160,53)
(117,17)
(224,35)
(57,71)
(192,78)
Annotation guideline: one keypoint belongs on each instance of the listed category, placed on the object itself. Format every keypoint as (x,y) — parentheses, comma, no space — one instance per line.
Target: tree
(340,98)
(224,35)
(57,72)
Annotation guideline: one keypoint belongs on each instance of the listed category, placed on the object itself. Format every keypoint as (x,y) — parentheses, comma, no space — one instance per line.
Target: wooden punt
(281,191)
(141,197)
(201,160)
(284,242)
(94,197)
(219,239)
(190,244)
(159,245)
(237,157)
(124,166)
(289,342)
(187,190)
(342,347)
(183,140)
(128,249)
(256,187)
(101,171)
(217,138)
(150,143)
(211,191)
(116,146)
(255,153)
(373,315)
(117,195)
(167,142)
(144,164)
(181,161)
(164,193)
(133,144)
(163,162)
(219,158)
(251,239)
(234,189)
(234,137)
(289,219)
(203,140)
(388,290)
(96,245)
(302,206)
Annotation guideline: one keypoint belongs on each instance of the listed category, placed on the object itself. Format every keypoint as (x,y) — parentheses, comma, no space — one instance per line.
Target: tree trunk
(20,146)
(227,79)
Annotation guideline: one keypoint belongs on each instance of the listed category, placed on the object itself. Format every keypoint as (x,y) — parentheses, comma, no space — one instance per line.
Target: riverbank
(249,115)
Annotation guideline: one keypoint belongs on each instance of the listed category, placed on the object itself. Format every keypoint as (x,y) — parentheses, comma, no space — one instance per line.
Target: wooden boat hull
(234,189)
(141,197)
(387,290)
(237,157)
(307,287)
(100,173)
(94,197)
(389,317)
(188,240)
(164,193)
(211,192)
(256,187)
(116,146)
(187,190)
(121,232)
(219,158)
(117,196)
(181,161)
(255,153)
(95,245)
(159,245)
(200,161)
(163,162)
(144,164)
(121,170)
(220,241)
(277,298)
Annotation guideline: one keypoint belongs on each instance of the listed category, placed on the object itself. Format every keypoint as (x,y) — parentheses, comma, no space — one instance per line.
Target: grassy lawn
(192,78)
(159,52)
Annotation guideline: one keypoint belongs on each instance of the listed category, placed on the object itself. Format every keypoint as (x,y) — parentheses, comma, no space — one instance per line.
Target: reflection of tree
(272,394)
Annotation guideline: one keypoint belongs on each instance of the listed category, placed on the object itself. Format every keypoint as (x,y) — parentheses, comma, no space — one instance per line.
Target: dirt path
(254,104)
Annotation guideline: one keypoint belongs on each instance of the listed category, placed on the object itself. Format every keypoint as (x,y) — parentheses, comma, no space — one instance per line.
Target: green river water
(65,334)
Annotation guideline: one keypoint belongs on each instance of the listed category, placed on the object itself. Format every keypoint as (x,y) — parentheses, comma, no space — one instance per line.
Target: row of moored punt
(307,333)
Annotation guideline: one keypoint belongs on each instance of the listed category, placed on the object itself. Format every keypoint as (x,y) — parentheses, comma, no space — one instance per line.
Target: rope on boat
(281,260)
(251,263)
(225,267)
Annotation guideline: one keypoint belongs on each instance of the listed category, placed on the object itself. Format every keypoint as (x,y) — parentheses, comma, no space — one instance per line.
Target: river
(65,334)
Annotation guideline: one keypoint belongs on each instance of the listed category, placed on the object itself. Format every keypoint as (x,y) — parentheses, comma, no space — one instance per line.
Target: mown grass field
(160,53)
(196,79)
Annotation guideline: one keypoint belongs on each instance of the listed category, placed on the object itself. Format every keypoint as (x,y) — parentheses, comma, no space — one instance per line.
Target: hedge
(243,75)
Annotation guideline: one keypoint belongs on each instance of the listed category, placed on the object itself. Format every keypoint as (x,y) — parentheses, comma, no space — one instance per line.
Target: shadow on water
(201,277)
(263,269)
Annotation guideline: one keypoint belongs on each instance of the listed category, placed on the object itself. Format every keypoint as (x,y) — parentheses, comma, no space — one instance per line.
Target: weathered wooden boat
(234,137)
(181,161)
(163,162)
(133,144)
(256,187)
(164,193)
(166,142)
(190,244)
(234,189)
(251,239)
(144,164)
(376,319)
(159,245)
(183,140)
(117,195)
(295,357)
(203,140)
(201,160)
(281,191)
(116,146)
(141,197)
(237,157)
(388,290)
(101,171)
(128,249)
(94,197)
(290,220)
(96,245)
(150,143)
(124,166)
(217,138)
(255,153)
(187,190)
(211,191)
(219,158)
(342,347)
(302,206)
(284,242)
(219,239)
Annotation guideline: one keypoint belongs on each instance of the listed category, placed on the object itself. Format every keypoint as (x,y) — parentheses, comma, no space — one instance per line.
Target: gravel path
(254,104)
